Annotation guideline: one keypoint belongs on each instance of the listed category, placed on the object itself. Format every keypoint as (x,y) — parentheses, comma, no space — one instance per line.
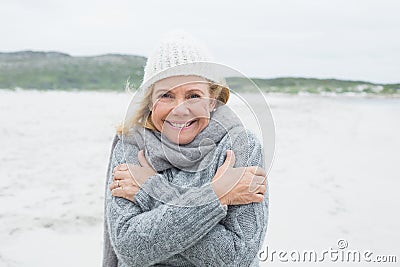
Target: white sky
(345,39)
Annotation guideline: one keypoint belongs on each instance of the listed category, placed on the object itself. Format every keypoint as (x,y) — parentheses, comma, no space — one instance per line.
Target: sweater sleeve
(237,238)
(146,238)
(109,257)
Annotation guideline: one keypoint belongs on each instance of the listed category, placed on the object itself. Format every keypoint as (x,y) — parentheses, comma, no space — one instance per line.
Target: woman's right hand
(237,186)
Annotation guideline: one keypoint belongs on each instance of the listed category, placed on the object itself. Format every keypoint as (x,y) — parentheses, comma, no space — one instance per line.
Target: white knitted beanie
(180,54)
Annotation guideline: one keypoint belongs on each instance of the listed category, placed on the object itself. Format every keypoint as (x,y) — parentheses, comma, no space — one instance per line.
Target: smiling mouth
(180,125)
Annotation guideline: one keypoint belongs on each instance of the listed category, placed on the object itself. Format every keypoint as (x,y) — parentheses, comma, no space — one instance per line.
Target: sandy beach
(335,175)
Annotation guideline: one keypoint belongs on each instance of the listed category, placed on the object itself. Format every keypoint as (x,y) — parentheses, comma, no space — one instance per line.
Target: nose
(180,108)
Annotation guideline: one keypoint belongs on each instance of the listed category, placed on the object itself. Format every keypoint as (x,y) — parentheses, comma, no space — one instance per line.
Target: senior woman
(186,184)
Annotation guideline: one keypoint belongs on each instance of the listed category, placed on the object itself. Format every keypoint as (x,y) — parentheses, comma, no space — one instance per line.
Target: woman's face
(181,107)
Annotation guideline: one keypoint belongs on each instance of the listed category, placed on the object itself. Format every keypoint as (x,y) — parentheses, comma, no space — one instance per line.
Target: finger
(127,192)
(115,169)
(261,189)
(142,159)
(230,159)
(255,181)
(121,167)
(121,175)
(258,198)
(113,185)
(260,180)
(126,178)
(257,170)
(116,184)
(255,188)
(249,177)
(118,192)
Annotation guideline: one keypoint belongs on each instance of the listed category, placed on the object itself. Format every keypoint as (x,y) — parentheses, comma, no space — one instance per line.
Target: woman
(185,183)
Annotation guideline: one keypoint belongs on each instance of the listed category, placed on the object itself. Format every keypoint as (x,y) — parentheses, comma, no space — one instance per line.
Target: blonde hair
(142,116)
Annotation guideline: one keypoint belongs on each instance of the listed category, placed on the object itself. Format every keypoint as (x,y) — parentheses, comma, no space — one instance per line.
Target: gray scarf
(194,156)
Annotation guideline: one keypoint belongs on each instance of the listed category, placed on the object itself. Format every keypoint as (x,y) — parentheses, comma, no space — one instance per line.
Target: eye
(194,96)
(166,95)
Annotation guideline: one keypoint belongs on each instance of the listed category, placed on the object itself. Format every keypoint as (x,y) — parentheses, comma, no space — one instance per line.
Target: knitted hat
(180,54)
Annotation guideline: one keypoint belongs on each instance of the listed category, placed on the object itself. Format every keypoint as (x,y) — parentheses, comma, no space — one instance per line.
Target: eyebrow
(166,90)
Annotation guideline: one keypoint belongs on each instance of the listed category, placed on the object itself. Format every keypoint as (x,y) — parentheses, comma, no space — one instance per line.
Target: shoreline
(299,94)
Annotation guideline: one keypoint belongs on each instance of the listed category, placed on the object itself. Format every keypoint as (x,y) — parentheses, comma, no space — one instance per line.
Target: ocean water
(335,174)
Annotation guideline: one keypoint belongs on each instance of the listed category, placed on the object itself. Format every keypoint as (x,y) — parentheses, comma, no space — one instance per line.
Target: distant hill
(60,71)
(294,85)
(53,70)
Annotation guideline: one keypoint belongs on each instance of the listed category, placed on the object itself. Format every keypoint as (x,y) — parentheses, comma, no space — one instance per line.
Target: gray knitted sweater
(164,225)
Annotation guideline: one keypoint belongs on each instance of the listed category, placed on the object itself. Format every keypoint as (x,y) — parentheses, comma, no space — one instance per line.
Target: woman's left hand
(129,177)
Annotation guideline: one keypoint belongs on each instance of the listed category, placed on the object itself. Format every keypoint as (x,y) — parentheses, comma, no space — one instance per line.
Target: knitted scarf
(195,156)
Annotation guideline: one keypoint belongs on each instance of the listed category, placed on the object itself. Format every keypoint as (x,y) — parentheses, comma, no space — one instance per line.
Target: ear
(213,103)
(150,106)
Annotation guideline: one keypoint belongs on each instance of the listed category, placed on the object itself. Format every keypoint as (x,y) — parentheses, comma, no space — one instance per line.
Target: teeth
(179,125)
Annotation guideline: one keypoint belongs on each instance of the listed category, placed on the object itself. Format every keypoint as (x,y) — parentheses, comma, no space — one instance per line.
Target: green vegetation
(292,85)
(52,70)
(55,71)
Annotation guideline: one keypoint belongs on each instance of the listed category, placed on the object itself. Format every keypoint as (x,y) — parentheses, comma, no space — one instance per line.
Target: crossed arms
(148,231)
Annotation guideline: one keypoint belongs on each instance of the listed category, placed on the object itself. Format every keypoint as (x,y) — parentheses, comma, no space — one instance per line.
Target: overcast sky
(344,39)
